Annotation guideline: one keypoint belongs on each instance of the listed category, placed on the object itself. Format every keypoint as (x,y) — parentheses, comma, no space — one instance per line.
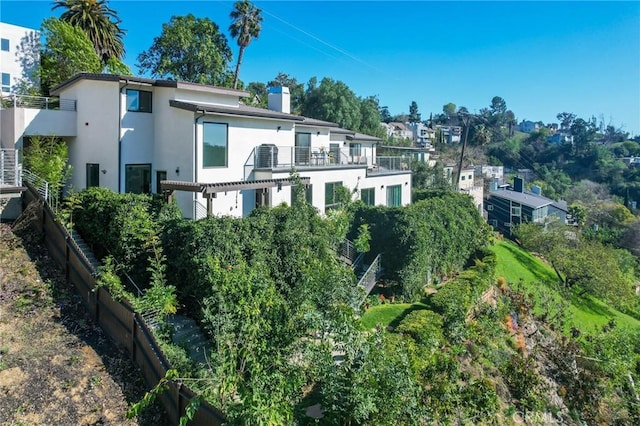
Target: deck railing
(370,278)
(38,102)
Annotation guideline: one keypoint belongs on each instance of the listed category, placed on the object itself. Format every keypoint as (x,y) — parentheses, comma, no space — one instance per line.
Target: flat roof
(240,110)
(528,199)
(148,81)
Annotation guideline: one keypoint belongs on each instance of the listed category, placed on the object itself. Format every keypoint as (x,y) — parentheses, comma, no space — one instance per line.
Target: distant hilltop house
(14,42)
(560,138)
(509,207)
(631,161)
(398,130)
(423,135)
(449,134)
(202,147)
(527,126)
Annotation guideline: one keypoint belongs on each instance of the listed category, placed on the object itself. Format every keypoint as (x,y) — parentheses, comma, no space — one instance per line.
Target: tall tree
(99,21)
(190,49)
(414,115)
(67,52)
(370,123)
(566,120)
(245,26)
(332,101)
(449,109)
(385,115)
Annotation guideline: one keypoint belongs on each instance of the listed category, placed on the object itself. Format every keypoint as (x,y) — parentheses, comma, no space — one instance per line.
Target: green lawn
(585,312)
(388,314)
(540,279)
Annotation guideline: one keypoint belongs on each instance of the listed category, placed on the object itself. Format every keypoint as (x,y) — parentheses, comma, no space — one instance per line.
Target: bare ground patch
(56,365)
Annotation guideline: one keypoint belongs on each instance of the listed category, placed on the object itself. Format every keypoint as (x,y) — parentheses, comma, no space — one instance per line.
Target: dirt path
(56,366)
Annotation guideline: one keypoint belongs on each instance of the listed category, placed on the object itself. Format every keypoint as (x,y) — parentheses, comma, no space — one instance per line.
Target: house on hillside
(527,126)
(509,207)
(200,143)
(15,41)
(423,136)
(449,134)
(398,130)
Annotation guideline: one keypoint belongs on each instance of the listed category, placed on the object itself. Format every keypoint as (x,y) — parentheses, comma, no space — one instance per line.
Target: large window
(355,149)
(138,178)
(138,101)
(330,194)
(303,148)
(6,82)
(368,196)
(4,44)
(215,147)
(93,174)
(394,196)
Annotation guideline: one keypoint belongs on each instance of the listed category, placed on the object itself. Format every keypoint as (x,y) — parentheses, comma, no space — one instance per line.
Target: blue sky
(542,57)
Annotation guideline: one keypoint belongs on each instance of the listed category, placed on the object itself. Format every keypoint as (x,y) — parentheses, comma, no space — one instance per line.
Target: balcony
(272,157)
(36,115)
(38,102)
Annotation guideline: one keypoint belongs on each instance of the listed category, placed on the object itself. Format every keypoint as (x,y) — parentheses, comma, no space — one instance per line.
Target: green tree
(449,109)
(47,157)
(333,101)
(67,52)
(566,120)
(259,94)
(414,115)
(245,26)
(370,122)
(385,115)
(100,22)
(189,49)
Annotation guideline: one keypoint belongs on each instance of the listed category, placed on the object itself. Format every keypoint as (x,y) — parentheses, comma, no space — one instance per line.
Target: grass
(389,314)
(518,266)
(538,278)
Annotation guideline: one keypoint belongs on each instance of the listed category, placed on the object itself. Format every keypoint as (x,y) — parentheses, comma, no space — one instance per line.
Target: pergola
(211,190)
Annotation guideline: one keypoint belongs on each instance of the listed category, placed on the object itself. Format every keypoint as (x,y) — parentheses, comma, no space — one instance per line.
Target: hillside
(56,366)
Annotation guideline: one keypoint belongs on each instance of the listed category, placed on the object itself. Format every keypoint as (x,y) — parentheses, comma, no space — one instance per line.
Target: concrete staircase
(187,334)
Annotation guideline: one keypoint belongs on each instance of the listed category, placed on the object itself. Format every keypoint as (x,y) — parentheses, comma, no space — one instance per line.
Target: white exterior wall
(96,130)
(208,98)
(10,62)
(136,133)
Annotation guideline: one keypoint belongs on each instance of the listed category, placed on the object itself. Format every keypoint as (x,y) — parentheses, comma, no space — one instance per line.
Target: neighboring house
(631,161)
(17,43)
(423,136)
(467,183)
(526,174)
(559,209)
(450,134)
(491,172)
(399,131)
(201,143)
(527,126)
(560,138)
(507,208)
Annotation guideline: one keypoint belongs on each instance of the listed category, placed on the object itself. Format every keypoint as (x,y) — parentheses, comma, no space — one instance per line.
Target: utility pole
(466,120)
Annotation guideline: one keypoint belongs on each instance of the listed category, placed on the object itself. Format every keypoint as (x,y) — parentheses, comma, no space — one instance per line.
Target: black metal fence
(126,328)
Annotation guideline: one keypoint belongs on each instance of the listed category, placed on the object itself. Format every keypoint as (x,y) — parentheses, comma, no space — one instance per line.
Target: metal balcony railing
(38,102)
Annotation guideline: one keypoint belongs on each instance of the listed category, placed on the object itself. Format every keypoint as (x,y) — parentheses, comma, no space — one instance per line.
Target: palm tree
(100,22)
(245,25)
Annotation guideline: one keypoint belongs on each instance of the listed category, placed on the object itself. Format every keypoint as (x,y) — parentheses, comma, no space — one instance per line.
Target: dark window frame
(370,198)
(332,200)
(5,45)
(205,124)
(145,105)
(93,173)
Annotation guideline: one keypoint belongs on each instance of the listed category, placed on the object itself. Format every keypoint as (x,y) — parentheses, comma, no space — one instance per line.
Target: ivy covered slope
(281,314)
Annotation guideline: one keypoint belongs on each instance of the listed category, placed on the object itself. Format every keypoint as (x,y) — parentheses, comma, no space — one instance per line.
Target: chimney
(518,184)
(279,99)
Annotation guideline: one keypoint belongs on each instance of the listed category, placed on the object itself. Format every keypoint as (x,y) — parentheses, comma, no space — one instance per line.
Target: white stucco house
(17,43)
(215,154)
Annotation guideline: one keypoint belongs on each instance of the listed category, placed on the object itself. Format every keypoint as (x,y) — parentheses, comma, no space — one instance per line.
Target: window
(394,196)
(6,82)
(515,211)
(462,178)
(4,45)
(303,148)
(138,101)
(490,207)
(355,149)
(330,194)
(308,194)
(214,145)
(93,174)
(138,178)
(368,196)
